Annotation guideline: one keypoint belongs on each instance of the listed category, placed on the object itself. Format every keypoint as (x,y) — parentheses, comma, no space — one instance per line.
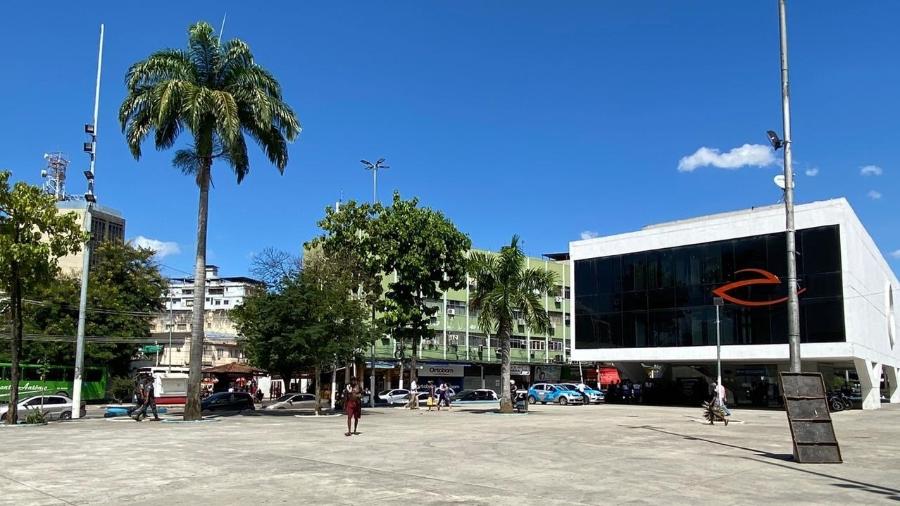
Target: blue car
(594,396)
(545,392)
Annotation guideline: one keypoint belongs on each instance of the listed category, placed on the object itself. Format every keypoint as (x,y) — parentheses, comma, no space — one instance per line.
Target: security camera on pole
(90,199)
(787,184)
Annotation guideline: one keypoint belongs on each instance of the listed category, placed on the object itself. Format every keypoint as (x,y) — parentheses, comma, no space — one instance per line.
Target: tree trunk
(506,399)
(15,346)
(316,381)
(192,407)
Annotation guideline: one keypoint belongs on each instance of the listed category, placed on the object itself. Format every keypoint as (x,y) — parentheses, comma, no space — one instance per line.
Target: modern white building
(644,300)
(221,337)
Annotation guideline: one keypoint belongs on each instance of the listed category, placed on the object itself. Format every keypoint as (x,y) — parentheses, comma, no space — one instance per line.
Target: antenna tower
(55,175)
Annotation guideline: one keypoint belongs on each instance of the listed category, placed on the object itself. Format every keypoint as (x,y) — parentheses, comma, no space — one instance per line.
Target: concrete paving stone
(553,455)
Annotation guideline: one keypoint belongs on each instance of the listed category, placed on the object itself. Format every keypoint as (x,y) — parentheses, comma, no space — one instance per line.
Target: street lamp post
(375,167)
(90,199)
(718,303)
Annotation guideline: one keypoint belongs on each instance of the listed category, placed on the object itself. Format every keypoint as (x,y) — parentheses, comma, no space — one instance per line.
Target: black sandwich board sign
(807,410)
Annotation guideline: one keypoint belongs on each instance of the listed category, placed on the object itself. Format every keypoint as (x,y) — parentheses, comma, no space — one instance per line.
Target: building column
(893,375)
(869,374)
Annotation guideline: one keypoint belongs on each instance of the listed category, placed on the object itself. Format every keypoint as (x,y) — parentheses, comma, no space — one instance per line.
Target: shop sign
(546,373)
(442,371)
(519,370)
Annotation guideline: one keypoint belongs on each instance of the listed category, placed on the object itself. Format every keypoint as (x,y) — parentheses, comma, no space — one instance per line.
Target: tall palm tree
(505,290)
(219,94)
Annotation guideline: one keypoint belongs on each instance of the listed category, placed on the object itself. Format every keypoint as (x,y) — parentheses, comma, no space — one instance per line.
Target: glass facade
(664,297)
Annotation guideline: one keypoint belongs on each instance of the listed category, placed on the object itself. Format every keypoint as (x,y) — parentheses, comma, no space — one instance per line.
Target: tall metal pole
(86,263)
(793,303)
(718,302)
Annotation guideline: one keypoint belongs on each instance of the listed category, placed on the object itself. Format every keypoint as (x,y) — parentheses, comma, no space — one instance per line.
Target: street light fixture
(375,167)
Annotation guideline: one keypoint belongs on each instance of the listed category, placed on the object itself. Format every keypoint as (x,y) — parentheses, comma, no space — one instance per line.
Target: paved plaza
(554,455)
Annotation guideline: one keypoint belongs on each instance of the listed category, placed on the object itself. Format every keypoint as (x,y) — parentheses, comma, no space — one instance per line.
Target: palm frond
(159,67)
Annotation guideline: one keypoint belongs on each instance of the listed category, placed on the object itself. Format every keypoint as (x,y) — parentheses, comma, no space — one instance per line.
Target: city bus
(54,379)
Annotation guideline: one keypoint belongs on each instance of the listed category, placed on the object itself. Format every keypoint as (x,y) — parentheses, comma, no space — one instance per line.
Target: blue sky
(546,119)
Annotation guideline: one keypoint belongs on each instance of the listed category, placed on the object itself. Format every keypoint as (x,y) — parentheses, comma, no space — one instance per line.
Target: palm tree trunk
(15,346)
(192,406)
(506,403)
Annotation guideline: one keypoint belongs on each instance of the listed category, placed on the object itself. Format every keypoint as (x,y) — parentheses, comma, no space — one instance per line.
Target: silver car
(55,407)
(296,401)
(394,396)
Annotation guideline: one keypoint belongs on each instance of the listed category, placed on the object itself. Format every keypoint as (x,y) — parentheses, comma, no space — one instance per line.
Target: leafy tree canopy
(124,293)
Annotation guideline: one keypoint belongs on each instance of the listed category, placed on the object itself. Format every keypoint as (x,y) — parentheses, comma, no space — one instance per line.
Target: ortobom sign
(442,371)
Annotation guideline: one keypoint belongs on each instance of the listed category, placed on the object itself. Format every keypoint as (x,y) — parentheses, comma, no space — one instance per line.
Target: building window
(663,298)
(226,301)
(181,326)
(537,345)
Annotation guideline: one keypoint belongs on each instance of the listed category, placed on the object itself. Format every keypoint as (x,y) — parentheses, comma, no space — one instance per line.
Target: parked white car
(55,407)
(394,396)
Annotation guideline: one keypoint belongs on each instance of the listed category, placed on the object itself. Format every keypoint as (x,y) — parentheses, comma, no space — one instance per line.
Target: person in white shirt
(721,397)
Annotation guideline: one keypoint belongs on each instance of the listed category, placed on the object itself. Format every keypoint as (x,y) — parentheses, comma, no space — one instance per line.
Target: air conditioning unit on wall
(558,299)
(451,312)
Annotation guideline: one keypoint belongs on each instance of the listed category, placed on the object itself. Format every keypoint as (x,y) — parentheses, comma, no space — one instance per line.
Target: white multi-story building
(645,301)
(222,295)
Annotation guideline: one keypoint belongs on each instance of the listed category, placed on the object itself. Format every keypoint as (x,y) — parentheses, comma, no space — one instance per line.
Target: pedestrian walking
(413,395)
(148,392)
(352,405)
(721,397)
(430,395)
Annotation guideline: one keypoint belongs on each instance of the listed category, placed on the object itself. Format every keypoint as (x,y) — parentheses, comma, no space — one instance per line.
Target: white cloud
(813,172)
(162,248)
(871,170)
(589,234)
(895,254)
(874,195)
(756,155)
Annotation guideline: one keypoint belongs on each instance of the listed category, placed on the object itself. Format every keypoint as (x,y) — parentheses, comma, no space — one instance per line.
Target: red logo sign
(767,278)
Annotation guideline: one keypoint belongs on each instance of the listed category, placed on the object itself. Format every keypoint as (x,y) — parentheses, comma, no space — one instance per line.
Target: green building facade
(461,353)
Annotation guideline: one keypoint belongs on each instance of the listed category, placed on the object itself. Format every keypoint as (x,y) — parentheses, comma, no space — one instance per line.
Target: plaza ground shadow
(887,492)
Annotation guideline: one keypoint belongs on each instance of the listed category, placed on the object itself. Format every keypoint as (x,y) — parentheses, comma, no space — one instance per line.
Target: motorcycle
(838,401)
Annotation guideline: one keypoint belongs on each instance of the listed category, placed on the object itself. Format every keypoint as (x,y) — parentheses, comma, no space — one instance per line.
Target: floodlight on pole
(86,250)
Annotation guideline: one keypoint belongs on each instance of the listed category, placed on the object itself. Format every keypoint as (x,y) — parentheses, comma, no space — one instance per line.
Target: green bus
(54,379)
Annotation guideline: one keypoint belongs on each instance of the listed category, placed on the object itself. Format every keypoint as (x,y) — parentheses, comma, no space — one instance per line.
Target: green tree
(309,319)
(340,326)
(124,293)
(421,249)
(427,256)
(505,290)
(219,94)
(33,236)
